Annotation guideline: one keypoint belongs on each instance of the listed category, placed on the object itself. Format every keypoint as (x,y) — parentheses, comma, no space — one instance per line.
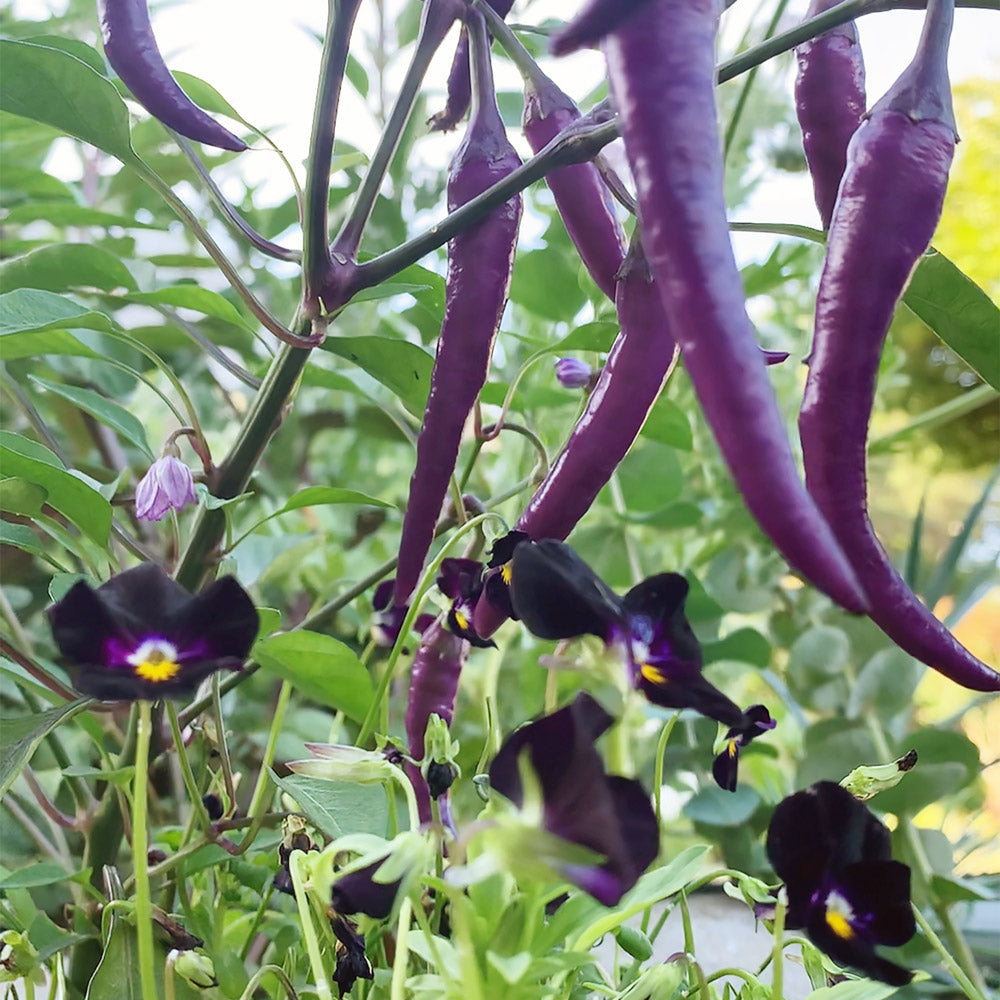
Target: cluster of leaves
(116,328)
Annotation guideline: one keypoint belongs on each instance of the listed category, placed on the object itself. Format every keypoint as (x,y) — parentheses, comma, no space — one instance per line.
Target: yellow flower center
(653,674)
(461,621)
(732,747)
(505,572)
(839,915)
(155,661)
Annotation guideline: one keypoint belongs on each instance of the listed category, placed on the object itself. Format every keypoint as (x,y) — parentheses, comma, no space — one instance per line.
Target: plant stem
(661,748)
(950,964)
(263,780)
(316,261)
(140,848)
(435,23)
(398,989)
(777,961)
(308,930)
(204,821)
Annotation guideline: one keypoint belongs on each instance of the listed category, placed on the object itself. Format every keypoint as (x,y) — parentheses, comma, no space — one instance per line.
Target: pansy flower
(558,596)
(142,635)
(844,889)
(496,582)
(461,581)
(757,722)
(389,617)
(608,815)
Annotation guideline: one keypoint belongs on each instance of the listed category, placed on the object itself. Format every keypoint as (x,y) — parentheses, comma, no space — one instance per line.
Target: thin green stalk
(949,962)
(661,748)
(397,990)
(140,848)
(741,101)
(253,983)
(435,23)
(316,261)
(263,779)
(194,792)
(321,980)
(777,960)
(220,732)
(938,415)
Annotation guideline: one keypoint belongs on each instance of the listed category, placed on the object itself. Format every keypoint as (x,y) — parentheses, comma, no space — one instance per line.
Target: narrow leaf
(19,737)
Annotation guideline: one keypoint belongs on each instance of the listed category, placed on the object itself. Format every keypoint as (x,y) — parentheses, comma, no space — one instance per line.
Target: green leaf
(195,297)
(318,496)
(20,536)
(33,323)
(46,873)
(717,807)
(65,213)
(833,748)
(321,667)
(110,414)
(856,989)
(84,506)
(49,938)
(205,95)
(958,311)
(885,684)
(547,283)
(386,289)
(20,736)
(18,496)
(355,72)
(84,52)
(745,645)
(62,266)
(338,807)
(668,424)
(816,665)
(60,90)
(597,336)
(400,366)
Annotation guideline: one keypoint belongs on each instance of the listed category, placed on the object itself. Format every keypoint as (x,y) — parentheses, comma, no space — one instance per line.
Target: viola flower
(757,721)
(461,580)
(496,582)
(168,485)
(142,635)
(606,814)
(360,892)
(389,617)
(844,889)
(558,596)
(573,373)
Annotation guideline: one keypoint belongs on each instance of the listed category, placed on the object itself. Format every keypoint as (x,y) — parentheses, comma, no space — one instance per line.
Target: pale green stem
(949,963)
(263,778)
(140,848)
(398,989)
(220,731)
(194,792)
(322,982)
(661,748)
(777,973)
(258,977)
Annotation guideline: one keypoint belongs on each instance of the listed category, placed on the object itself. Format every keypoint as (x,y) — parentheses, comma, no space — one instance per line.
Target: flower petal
(558,596)
(82,625)
(855,951)
(654,610)
(221,620)
(689,691)
(359,892)
(881,891)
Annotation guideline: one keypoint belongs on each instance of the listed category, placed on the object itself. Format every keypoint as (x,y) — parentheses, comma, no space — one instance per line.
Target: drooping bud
(168,485)
(574,373)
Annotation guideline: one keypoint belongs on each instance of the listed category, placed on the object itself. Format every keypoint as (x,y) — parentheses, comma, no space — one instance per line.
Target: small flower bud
(868,780)
(344,763)
(18,958)
(196,969)
(574,373)
(168,485)
(440,777)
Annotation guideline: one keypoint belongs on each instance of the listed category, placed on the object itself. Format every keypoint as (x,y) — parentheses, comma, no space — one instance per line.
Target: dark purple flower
(573,373)
(558,596)
(168,485)
(496,582)
(352,962)
(609,815)
(757,721)
(358,892)
(389,617)
(461,580)
(142,635)
(843,887)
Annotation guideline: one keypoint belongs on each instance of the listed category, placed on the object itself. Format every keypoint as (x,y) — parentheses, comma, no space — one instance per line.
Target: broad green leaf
(60,90)
(668,424)
(596,336)
(46,873)
(84,506)
(338,807)
(66,213)
(49,938)
(959,312)
(205,95)
(857,989)
(816,664)
(19,737)
(319,496)
(715,806)
(885,684)
(946,763)
(20,536)
(18,496)
(29,310)
(745,645)
(84,52)
(62,266)
(547,283)
(321,667)
(355,72)
(400,366)
(833,748)
(108,413)
(195,297)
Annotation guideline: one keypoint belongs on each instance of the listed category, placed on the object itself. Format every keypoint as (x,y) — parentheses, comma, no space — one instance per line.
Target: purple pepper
(829,102)
(133,53)
(597,19)
(895,182)
(581,195)
(434,678)
(480,260)
(640,361)
(661,67)
(459,86)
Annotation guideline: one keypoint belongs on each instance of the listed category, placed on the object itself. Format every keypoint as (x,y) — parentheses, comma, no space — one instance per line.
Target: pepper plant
(475,615)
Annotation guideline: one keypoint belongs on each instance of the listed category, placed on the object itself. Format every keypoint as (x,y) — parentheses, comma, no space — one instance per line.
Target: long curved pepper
(581,194)
(829,103)
(661,66)
(480,260)
(134,55)
(641,359)
(895,181)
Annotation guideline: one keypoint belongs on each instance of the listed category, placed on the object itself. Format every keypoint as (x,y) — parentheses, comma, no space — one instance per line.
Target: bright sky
(263,57)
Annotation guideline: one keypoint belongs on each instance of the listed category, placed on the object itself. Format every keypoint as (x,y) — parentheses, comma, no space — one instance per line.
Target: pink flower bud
(168,485)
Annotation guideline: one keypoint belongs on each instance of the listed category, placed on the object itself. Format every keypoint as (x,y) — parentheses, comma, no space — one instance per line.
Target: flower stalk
(140,813)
